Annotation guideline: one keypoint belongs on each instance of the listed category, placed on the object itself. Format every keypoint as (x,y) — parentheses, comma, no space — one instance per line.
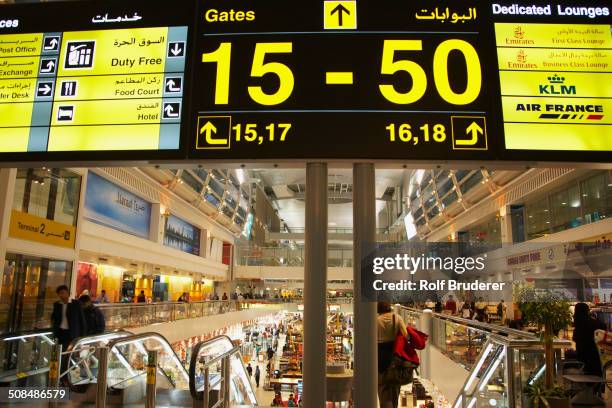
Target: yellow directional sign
(214,132)
(340,15)
(469,132)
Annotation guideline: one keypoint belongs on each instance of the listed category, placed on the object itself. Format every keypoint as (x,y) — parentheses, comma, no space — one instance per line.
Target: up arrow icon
(340,14)
(209,129)
(340,9)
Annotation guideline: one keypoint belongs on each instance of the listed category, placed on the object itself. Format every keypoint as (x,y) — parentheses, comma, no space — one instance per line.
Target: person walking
(389,324)
(142,298)
(67,318)
(584,337)
(257,376)
(94,318)
(250,370)
(67,322)
(270,353)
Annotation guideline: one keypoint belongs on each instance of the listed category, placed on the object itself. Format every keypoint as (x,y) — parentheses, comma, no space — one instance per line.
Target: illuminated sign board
(401,80)
(239,81)
(555,69)
(80,80)
(344,79)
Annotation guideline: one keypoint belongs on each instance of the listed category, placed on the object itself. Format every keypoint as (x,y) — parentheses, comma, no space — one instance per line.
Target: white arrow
(171,86)
(50,66)
(52,44)
(45,89)
(176,50)
(170,112)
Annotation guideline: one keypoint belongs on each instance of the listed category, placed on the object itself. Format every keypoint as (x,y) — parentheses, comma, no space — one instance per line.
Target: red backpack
(406,349)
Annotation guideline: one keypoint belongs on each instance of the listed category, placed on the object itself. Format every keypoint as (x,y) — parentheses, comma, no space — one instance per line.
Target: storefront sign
(112,206)
(95,77)
(181,235)
(38,229)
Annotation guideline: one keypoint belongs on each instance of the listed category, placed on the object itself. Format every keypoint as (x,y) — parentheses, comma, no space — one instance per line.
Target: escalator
(491,364)
(177,385)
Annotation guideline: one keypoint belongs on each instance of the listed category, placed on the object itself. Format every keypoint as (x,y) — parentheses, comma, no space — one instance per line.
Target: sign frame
(77,16)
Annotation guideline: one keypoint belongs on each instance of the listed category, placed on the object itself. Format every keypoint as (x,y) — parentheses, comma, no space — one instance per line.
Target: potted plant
(550,312)
(555,397)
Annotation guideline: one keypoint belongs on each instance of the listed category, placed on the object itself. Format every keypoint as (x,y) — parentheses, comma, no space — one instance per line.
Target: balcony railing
(272,256)
(122,315)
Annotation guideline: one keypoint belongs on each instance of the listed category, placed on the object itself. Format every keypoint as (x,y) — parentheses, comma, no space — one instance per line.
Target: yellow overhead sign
(37,229)
(92,90)
(556,86)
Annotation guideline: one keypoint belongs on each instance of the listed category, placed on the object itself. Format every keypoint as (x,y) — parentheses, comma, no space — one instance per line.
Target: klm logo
(556,86)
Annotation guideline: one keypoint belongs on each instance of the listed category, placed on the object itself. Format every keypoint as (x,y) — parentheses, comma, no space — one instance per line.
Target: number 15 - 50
(389,67)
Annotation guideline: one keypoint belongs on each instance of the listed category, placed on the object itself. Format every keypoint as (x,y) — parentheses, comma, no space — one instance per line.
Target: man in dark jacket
(67,319)
(94,318)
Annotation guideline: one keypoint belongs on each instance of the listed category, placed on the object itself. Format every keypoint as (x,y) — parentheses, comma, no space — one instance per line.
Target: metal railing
(284,256)
(504,368)
(450,333)
(501,361)
(121,315)
(25,355)
(335,230)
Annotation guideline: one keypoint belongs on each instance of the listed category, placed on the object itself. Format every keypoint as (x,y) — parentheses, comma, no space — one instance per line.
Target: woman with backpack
(389,325)
(397,356)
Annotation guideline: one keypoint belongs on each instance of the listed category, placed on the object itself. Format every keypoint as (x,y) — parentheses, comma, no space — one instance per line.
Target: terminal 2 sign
(238,80)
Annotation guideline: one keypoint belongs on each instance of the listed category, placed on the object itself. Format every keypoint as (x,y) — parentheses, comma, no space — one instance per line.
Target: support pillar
(426,326)
(315,286)
(7,184)
(364,232)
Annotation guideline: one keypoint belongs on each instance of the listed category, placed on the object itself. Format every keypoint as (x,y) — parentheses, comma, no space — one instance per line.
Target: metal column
(315,286)
(102,376)
(364,232)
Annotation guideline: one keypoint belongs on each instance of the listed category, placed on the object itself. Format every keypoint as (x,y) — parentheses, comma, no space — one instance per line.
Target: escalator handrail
(491,328)
(73,348)
(503,341)
(117,342)
(28,333)
(75,342)
(195,352)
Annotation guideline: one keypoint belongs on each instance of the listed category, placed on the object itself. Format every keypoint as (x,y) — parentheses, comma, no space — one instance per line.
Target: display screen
(98,78)
(556,78)
(181,235)
(388,79)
